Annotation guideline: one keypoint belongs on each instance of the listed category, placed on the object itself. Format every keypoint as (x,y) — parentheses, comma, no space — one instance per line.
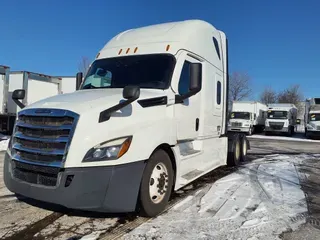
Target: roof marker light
(120,51)
(128,50)
(136,49)
(168,47)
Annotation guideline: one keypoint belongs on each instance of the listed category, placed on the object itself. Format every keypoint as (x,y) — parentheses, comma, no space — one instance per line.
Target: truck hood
(85,100)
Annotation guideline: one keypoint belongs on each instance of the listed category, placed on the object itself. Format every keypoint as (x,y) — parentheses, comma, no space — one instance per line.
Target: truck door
(187,113)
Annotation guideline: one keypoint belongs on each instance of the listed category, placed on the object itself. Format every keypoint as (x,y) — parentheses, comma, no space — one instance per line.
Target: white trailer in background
(37,86)
(7,118)
(247,116)
(312,118)
(68,83)
(281,118)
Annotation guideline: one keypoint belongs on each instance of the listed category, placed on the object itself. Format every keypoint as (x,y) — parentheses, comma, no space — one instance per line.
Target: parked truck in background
(312,118)
(149,117)
(281,118)
(7,118)
(247,116)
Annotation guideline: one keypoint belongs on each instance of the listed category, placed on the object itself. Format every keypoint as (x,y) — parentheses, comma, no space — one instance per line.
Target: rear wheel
(156,184)
(244,149)
(234,153)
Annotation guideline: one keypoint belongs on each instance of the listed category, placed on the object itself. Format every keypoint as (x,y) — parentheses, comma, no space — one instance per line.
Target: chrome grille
(43,136)
(276,125)
(236,124)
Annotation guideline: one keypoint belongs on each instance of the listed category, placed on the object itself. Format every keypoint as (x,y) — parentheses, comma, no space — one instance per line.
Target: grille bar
(55,164)
(26,125)
(20,135)
(18,146)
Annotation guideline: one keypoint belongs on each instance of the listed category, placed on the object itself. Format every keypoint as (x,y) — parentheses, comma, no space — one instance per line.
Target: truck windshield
(145,71)
(314,117)
(240,115)
(277,114)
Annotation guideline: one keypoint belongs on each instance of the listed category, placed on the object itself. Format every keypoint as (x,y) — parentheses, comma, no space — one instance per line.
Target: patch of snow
(4,144)
(259,201)
(284,138)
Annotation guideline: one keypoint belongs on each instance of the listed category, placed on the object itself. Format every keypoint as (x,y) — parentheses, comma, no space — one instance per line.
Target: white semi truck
(247,116)
(281,118)
(7,118)
(312,118)
(149,117)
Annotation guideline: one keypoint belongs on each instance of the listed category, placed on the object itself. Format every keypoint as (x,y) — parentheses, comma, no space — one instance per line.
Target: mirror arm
(20,104)
(106,114)
(181,98)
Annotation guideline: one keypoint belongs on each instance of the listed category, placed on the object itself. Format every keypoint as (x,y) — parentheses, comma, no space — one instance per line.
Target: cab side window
(184,81)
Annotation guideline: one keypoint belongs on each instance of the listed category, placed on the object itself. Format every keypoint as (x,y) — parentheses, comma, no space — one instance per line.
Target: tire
(158,164)
(267,133)
(244,149)
(234,154)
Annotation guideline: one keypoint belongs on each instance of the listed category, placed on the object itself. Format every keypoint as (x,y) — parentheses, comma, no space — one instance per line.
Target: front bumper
(313,133)
(102,189)
(270,129)
(238,129)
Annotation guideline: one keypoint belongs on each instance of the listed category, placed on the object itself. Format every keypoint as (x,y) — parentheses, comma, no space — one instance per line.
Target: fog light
(68,180)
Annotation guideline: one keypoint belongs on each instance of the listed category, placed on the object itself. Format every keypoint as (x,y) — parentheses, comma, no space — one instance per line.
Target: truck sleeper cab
(149,117)
(281,118)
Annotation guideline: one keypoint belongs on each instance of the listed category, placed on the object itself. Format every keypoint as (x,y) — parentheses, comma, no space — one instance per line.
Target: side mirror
(79,80)
(17,95)
(195,82)
(131,92)
(298,121)
(195,77)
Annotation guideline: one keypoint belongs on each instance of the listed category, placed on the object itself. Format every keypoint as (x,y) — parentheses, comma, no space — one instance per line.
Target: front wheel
(156,184)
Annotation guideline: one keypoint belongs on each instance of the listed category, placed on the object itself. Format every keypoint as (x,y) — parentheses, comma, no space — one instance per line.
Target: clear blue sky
(276,42)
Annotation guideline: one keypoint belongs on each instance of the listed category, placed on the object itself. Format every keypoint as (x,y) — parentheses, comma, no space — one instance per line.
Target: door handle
(197,124)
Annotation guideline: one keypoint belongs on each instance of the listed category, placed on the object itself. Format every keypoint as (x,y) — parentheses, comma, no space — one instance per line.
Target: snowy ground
(4,141)
(259,201)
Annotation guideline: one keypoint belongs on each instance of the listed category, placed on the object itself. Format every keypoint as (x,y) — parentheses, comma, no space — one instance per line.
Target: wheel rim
(244,147)
(158,183)
(237,150)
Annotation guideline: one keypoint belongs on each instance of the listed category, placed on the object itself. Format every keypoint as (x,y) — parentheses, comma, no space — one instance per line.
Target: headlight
(109,150)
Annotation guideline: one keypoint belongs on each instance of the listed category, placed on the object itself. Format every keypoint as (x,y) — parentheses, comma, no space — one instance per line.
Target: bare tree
(268,96)
(239,86)
(291,95)
(84,65)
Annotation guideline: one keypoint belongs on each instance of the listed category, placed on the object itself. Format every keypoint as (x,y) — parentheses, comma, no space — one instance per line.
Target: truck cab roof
(167,38)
